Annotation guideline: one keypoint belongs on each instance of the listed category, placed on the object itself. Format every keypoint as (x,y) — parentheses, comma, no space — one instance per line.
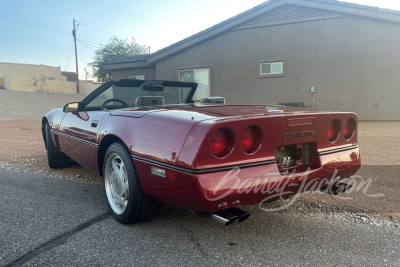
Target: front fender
(54,119)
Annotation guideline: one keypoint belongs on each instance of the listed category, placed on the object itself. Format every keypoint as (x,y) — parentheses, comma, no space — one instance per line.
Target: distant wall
(86,87)
(30,70)
(24,83)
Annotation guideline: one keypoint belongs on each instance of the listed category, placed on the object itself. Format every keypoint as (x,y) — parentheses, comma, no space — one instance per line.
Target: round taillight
(349,128)
(333,130)
(248,139)
(219,142)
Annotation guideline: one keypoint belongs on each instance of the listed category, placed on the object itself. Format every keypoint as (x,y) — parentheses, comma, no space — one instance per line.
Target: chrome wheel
(116,183)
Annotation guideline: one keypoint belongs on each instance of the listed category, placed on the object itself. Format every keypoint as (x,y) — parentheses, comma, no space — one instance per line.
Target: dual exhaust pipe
(229,216)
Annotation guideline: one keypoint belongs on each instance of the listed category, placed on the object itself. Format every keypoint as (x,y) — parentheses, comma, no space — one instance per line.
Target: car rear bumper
(215,190)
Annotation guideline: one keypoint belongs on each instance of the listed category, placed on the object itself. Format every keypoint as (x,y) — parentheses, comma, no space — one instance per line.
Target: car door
(78,136)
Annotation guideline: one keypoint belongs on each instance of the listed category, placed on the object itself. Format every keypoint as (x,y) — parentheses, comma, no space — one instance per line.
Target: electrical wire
(68,53)
(85,45)
(96,29)
(69,59)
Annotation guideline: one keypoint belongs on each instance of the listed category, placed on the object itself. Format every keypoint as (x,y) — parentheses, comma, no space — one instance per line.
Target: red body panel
(176,138)
(198,191)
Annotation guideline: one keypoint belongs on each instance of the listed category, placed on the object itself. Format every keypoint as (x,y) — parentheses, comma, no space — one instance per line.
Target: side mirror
(71,107)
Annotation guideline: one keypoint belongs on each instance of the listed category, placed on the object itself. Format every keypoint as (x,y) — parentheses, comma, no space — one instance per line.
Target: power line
(96,29)
(85,45)
(69,59)
(68,53)
(85,42)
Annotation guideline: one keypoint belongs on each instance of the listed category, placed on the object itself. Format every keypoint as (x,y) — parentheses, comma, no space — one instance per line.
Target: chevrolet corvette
(154,142)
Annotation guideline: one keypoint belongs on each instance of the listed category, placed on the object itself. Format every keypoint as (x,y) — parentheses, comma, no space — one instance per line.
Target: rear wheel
(125,196)
(56,159)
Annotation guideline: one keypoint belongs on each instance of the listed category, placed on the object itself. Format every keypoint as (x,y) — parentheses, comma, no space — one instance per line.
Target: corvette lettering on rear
(298,134)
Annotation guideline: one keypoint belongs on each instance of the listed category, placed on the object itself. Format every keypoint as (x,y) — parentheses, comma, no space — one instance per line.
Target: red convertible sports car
(152,143)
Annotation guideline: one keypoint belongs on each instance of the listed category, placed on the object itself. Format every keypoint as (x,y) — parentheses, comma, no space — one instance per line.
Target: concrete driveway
(50,222)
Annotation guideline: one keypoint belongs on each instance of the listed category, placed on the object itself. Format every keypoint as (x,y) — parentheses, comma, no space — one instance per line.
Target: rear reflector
(171,175)
(162,173)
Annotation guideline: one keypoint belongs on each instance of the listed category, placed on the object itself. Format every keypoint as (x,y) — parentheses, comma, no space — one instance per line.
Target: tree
(115,48)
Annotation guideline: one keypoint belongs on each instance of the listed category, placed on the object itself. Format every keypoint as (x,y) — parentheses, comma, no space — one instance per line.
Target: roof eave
(127,65)
(222,28)
(349,10)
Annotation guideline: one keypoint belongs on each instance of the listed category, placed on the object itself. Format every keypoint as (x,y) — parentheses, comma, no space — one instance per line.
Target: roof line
(158,55)
(252,13)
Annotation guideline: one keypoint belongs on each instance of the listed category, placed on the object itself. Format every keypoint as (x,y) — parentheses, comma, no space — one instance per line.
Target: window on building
(51,78)
(269,68)
(200,76)
(137,77)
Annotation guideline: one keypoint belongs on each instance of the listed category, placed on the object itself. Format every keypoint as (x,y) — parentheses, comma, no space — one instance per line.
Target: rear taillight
(248,139)
(349,128)
(333,130)
(219,142)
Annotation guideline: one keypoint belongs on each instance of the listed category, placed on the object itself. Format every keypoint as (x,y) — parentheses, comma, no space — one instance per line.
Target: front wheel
(125,196)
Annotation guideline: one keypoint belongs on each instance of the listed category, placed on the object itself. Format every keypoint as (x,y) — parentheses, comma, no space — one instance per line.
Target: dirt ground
(22,145)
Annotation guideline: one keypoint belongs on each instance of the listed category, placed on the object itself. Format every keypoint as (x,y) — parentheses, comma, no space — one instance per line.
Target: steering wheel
(124,104)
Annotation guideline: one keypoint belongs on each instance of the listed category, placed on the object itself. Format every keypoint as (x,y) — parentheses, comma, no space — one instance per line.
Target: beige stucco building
(32,78)
(278,51)
(40,78)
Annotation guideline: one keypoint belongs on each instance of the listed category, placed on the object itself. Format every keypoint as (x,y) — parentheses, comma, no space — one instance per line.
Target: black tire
(56,159)
(139,207)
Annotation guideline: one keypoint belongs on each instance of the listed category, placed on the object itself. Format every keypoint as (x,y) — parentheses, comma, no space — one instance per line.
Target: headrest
(213,100)
(143,101)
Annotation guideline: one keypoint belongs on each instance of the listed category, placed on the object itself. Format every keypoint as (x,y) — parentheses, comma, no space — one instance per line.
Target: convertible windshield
(128,94)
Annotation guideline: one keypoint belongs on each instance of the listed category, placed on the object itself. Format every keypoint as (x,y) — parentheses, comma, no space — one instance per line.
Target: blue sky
(40,31)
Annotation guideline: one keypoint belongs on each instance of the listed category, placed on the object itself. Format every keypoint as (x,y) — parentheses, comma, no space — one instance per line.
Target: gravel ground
(32,105)
(379,149)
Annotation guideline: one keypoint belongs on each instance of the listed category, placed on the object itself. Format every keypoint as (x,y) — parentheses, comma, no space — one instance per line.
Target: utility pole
(76,59)
(86,73)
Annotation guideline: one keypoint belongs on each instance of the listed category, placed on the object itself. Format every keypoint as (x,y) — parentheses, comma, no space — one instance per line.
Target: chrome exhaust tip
(224,217)
(229,216)
(241,214)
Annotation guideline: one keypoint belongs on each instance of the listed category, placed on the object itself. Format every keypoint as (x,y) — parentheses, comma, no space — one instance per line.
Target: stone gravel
(32,105)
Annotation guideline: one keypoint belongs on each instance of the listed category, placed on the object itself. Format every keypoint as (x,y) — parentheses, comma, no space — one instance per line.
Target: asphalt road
(50,222)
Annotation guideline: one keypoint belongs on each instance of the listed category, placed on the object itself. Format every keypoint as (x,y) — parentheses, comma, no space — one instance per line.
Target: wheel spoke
(121,170)
(114,167)
(124,189)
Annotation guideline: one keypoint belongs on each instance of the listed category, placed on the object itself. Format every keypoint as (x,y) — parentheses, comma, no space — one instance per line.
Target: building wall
(27,77)
(31,70)
(353,62)
(149,73)
(24,83)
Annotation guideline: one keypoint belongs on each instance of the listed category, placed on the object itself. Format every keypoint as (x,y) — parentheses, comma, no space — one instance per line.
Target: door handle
(95,123)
